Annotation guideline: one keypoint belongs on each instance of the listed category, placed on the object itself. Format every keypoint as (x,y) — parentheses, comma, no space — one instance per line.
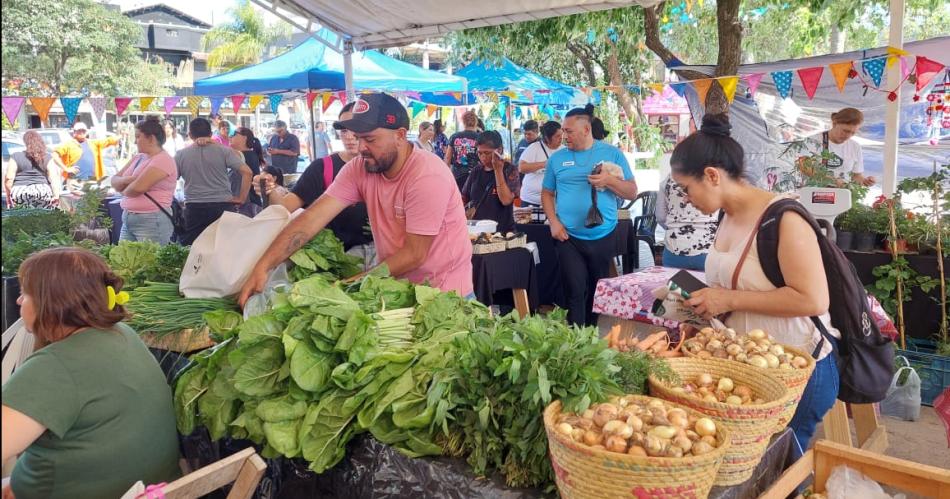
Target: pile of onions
(755,348)
(628,425)
(725,390)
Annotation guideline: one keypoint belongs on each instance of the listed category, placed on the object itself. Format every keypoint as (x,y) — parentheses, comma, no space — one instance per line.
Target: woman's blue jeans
(818,398)
(695,262)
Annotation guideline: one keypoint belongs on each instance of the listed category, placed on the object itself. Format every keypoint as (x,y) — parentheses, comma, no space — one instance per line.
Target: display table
(513,269)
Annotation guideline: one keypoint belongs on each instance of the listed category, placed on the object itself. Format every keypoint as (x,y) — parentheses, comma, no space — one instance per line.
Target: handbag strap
(824,149)
(160,207)
(748,246)
(327,172)
(488,188)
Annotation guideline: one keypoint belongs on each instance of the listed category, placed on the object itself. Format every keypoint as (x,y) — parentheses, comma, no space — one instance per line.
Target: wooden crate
(920,479)
(184,341)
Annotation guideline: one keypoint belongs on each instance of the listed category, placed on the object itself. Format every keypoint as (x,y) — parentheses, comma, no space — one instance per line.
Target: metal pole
(892,117)
(348,70)
(313,135)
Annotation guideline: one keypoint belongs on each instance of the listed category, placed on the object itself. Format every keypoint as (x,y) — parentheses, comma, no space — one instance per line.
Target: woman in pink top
(148,185)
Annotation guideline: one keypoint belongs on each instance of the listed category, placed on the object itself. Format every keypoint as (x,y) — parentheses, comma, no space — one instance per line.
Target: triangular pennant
(753,80)
(783,82)
(327,100)
(254,101)
(70,107)
(657,87)
(170,103)
(341,96)
(447,114)
(311,96)
(926,70)
(145,103)
(905,69)
(236,101)
(11,107)
(810,78)
(875,69)
(216,104)
(194,104)
(895,53)
(417,108)
(121,104)
(679,88)
(275,102)
(42,105)
(702,88)
(840,70)
(431,110)
(518,112)
(458,96)
(529,95)
(98,106)
(414,95)
(729,85)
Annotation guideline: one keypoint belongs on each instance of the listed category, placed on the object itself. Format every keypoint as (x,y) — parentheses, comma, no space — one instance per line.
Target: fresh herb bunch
(324,254)
(137,262)
(19,249)
(158,308)
(25,222)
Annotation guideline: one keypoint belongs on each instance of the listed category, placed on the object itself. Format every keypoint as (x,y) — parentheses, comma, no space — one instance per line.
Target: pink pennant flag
(236,101)
(905,69)
(753,80)
(926,70)
(810,78)
(341,96)
(414,95)
(98,106)
(12,106)
(170,103)
(121,104)
(310,97)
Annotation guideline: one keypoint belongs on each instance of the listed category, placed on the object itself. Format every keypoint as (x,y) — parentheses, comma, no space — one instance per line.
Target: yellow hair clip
(120,298)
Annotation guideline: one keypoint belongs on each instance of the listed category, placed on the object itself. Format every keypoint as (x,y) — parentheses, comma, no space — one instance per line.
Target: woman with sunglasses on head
(90,412)
(710,168)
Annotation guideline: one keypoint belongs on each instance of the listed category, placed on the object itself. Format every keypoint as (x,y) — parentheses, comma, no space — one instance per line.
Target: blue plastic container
(933,369)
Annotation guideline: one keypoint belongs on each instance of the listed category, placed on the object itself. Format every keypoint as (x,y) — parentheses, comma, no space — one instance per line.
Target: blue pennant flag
(275,102)
(216,104)
(70,107)
(679,88)
(875,69)
(783,82)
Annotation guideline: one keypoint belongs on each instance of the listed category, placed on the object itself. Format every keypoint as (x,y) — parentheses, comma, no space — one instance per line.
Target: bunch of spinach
(138,262)
(324,254)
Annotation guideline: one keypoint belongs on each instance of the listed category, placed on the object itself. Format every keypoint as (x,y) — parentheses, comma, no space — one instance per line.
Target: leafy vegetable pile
(140,261)
(324,254)
(158,308)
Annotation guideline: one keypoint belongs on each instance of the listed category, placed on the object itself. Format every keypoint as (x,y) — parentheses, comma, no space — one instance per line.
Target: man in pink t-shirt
(415,209)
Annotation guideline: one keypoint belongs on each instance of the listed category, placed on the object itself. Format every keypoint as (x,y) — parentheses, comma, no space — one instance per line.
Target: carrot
(670,353)
(612,336)
(660,346)
(650,340)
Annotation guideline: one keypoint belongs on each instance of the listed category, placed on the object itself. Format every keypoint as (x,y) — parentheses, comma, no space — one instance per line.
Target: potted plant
(846,227)
(862,222)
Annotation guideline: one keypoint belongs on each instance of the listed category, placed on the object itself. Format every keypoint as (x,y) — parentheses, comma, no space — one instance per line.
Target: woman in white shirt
(846,160)
(533,161)
(710,168)
(426,134)
(173,140)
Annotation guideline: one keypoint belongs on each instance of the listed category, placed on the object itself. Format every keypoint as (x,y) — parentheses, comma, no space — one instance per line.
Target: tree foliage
(242,41)
(75,46)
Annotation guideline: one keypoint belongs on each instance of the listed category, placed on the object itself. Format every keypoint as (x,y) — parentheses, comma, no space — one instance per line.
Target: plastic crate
(933,369)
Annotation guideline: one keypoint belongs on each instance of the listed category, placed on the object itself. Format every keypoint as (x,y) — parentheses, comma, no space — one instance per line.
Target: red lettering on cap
(390,119)
(361,106)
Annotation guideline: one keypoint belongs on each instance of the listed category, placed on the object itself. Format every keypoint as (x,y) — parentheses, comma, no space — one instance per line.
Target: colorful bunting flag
(529,95)
(414,95)
(70,107)
(170,103)
(657,87)
(327,99)
(447,114)
(729,85)
(431,110)
(679,88)
(121,104)
(98,106)
(145,103)
(457,95)
(926,70)
(810,78)
(417,108)
(894,54)
(311,96)
(42,105)
(12,106)
(702,88)
(236,101)
(753,80)
(194,104)
(341,96)
(275,102)
(783,82)
(840,71)
(875,69)
(216,104)
(254,101)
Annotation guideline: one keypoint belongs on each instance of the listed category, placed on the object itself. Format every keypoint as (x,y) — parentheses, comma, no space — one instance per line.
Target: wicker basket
(184,341)
(794,379)
(751,426)
(517,242)
(485,248)
(584,472)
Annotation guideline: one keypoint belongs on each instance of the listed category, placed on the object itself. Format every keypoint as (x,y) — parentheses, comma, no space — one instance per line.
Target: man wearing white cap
(82,156)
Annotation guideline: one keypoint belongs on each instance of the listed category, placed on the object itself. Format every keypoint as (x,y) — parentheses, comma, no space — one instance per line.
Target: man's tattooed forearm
(297,240)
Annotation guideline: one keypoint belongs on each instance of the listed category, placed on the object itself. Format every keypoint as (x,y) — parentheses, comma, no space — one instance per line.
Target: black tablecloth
(922,312)
(512,269)
(549,271)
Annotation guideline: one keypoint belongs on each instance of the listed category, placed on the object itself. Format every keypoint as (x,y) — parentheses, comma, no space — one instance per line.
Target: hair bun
(589,109)
(716,124)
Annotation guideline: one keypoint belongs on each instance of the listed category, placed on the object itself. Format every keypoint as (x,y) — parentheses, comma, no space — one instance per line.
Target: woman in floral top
(689,233)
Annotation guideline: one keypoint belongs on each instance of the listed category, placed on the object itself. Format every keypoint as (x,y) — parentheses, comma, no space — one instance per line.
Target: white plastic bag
(903,401)
(222,257)
(848,483)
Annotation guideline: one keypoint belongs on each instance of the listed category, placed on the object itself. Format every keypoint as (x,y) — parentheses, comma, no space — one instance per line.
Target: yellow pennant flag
(510,94)
(657,87)
(895,54)
(729,87)
(254,101)
(430,110)
(702,88)
(447,114)
(145,103)
(327,99)
(840,71)
(42,105)
(194,104)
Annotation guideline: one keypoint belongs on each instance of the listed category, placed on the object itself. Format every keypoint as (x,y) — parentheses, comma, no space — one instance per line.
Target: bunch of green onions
(158,308)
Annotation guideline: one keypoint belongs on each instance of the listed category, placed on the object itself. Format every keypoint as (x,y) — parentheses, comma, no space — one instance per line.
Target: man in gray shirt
(284,149)
(205,167)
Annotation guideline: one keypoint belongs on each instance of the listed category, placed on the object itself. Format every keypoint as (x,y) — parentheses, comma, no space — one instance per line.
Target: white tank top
(799,332)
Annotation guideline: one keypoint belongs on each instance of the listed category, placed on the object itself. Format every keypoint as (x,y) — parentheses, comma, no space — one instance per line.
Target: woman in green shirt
(89,413)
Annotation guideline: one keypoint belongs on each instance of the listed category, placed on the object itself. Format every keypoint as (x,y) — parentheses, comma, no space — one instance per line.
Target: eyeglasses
(485,153)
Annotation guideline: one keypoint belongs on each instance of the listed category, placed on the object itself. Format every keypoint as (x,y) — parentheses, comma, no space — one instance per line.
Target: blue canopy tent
(313,66)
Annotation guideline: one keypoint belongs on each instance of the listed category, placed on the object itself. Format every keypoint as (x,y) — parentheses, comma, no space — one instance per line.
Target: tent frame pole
(313,135)
(892,117)
(348,70)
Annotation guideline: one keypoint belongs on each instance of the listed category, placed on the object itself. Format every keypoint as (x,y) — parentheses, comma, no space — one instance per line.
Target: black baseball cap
(375,110)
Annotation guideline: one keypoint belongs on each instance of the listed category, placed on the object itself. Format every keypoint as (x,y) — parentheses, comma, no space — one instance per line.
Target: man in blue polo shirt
(584,251)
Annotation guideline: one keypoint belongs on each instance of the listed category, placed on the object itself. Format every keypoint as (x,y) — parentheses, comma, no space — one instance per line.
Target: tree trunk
(616,81)
(585,59)
(837,39)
